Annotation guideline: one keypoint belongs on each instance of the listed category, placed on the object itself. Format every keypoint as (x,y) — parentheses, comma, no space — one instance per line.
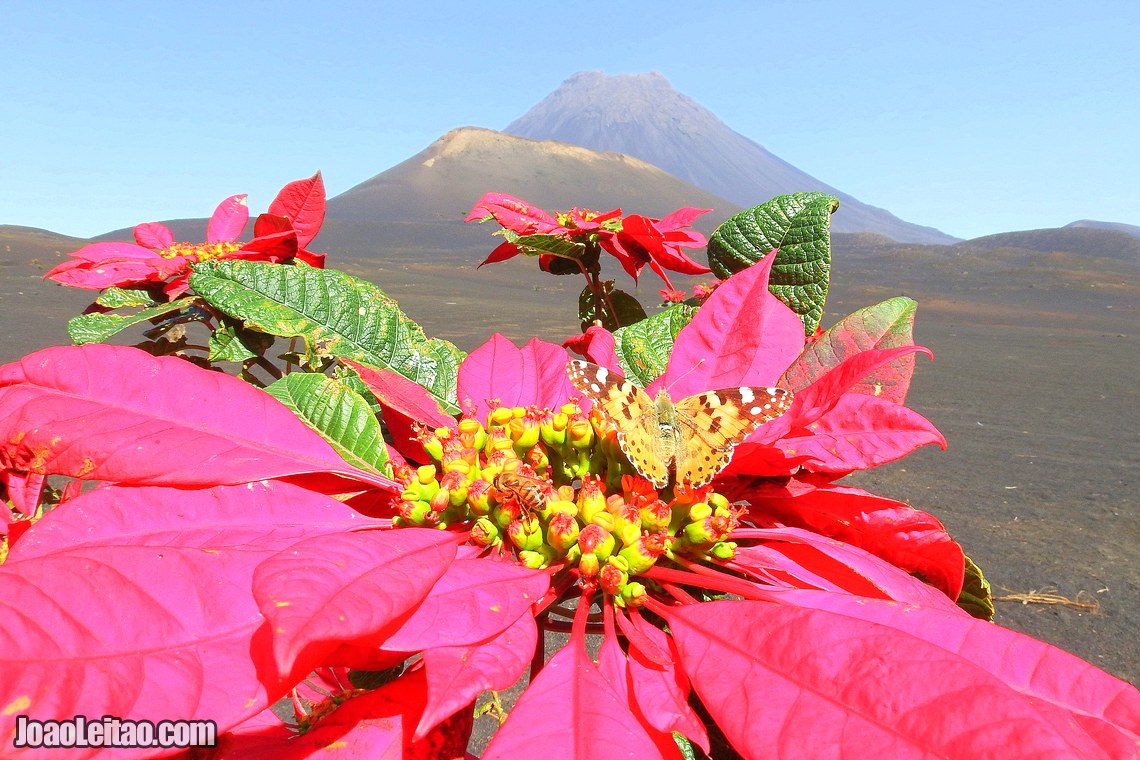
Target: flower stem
(538,659)
(707,579)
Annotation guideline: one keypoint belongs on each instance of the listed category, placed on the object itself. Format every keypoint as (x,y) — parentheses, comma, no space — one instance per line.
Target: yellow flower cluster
(555,488)
(199,251)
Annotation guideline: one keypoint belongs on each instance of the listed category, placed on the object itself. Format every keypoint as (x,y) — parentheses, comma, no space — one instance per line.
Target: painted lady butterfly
(696,434)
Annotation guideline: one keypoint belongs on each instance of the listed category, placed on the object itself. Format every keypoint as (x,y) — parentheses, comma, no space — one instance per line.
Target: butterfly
(696,434)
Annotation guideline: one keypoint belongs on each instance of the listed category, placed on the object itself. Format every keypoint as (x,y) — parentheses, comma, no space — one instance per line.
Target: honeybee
(529,492)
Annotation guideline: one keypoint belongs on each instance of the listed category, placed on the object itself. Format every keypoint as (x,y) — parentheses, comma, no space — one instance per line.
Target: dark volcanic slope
(642,115)
(420,204)
(1090,241)
(34,313)
(443,181)
(1045,277)
(1131,229)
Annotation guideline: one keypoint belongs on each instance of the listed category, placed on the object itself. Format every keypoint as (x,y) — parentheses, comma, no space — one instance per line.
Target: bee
(529,492)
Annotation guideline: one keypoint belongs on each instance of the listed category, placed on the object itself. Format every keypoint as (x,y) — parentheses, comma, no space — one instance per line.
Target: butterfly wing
(712,423)
(630,410)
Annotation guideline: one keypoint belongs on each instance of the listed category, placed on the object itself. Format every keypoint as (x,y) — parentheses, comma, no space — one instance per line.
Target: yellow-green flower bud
(525,433)
(589,566)
(453,461)
(641,554)
(628,533)
(594,539)
(479,497)
(499,416)
(700,511)
(723,550)
(485,532)
(426,474)
(455,483)
(612,577)
(538,558)
(580,433)
(591,500)
(656,516)
(525,532)
(498,439)
(553,430)
(562,533)
(624,514)
(632,595)
(700,534)
(423,487)
(718,501)
(605,520)
(415,512)
(472,434)
(434,447)
(560,507)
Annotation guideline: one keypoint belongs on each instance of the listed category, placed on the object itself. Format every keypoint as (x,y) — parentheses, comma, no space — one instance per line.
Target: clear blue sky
(973,117)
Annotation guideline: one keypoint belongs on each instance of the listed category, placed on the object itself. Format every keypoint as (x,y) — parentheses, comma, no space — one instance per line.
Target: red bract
(515,215)
(633,240)
(156,257)
(658,243)
(211,572)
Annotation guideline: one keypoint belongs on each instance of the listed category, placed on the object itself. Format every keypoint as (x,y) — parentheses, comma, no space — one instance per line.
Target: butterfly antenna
(686,372)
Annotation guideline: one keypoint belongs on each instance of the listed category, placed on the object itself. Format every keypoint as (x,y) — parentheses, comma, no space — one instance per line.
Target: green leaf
(553,245)
(799,225)
(230,343)
(97,327)
(337,315)
(643,348)
(116,298)
(975,597)
(626,308)
(353,381)
(569,257)
(685,746)
(340,415)
(889,324)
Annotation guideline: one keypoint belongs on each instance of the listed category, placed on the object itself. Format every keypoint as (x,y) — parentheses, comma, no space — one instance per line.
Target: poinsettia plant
(146,282)
(571,242)
(343,562)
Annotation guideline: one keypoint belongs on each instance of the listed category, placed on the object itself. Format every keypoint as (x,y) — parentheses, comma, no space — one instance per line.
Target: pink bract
(156,257)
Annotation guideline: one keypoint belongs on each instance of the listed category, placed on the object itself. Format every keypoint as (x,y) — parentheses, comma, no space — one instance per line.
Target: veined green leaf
(888,324)
(339,414)
(230,343)
(97,327)
(116,298)
(643,348)
(799,225)
(685,746)
(555,245)
(337,315)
